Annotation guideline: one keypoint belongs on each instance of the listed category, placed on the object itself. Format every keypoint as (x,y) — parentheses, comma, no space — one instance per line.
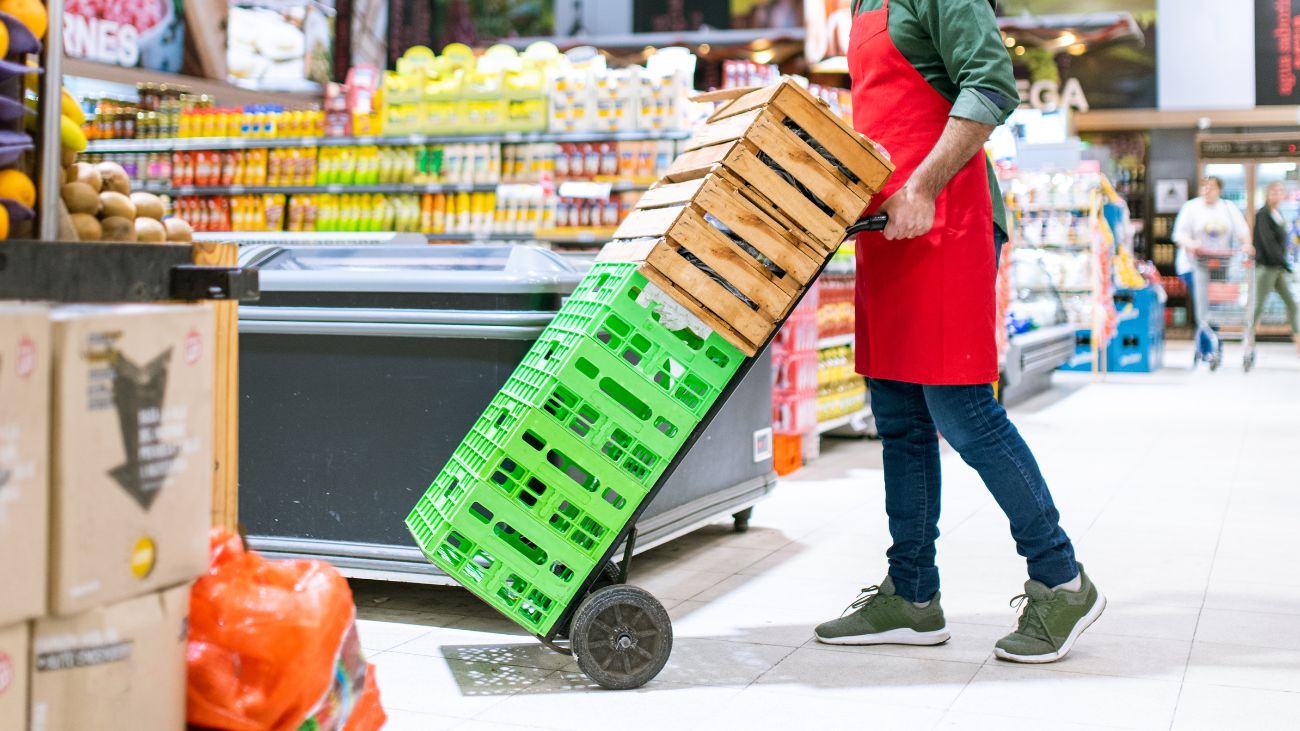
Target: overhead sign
(148,33)
(1050,95)
(1277,55)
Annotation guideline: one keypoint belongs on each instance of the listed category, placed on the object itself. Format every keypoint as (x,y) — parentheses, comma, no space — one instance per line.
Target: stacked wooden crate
(748,215)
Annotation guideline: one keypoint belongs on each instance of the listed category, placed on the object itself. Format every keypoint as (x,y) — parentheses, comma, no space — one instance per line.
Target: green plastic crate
(528,575)
(552,471)
(583,366)
(694,370)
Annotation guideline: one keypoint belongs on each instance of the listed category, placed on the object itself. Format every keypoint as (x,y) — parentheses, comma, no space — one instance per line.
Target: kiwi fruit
(148,205)
(116,204)
(84,172)
(115,178)
(178,230)
(150,231)
(119,229)
(88,228)
(81,198)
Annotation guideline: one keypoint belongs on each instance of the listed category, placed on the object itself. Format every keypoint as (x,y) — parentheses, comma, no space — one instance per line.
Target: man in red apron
(931,79)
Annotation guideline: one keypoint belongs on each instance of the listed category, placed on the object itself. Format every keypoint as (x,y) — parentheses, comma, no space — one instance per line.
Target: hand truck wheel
(1248,362)
(1216,358)
(621,637)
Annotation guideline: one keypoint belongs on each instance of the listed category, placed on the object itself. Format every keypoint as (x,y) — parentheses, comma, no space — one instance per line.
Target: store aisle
(1180,489)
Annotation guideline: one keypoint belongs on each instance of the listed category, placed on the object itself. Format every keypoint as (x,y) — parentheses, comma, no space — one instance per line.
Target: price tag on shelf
(310,142)
(367,140)
(585,237)
(335,188)
(464,188)
(237,141)
(236,189)
(589,190)
(416,139)
(185,190)
(512,137)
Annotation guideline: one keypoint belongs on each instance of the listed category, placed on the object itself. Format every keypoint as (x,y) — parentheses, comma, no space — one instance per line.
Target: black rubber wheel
(1216,359)
(742,519)
(1249,361)
(621,637)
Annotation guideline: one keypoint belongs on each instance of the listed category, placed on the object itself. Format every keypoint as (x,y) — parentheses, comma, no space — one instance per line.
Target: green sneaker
(1050,621)
(884,618)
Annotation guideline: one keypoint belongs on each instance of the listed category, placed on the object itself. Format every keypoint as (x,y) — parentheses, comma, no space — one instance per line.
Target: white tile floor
(1180,489)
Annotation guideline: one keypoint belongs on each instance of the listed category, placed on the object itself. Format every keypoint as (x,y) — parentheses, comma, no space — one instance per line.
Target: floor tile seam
(1200,611)
(776,664)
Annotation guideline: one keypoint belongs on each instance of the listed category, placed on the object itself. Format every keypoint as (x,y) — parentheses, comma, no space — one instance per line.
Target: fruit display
(103,208)
(22,25)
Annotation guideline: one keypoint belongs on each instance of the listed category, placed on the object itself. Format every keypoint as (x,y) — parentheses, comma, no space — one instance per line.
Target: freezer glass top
(448,259)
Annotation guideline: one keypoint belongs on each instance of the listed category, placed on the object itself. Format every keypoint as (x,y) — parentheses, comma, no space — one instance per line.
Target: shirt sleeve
(965,33)
(1240,229)
(1183,225)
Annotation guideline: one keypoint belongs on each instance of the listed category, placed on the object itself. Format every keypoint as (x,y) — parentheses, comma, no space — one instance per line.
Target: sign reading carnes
(1277,51)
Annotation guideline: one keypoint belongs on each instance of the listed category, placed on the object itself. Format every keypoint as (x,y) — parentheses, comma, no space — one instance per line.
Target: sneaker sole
(1082,625)
(900,636)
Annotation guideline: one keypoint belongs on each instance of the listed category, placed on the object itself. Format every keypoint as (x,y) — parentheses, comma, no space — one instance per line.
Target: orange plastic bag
(273,647)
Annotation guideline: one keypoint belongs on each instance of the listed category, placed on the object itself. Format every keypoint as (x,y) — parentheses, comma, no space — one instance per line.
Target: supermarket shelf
(835,341)
(394,188)
(227,93)
(716,37)
(857,420)
(551,235)
(1056,209)
(244,143)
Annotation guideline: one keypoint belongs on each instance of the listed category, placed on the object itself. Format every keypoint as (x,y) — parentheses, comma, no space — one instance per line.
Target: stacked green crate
(582,431)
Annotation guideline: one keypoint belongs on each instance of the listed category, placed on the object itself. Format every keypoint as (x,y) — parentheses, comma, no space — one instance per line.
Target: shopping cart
(1228,304)
(619,634)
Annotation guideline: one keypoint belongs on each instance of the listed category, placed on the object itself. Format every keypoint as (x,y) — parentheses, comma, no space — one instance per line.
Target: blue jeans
(1206,339)
(908,416)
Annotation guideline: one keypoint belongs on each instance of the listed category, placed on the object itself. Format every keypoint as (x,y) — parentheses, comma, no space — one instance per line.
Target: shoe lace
(867,596)
(1032,617)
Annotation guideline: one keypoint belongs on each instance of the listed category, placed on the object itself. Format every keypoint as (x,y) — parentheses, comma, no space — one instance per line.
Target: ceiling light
(1020,50)
(1067,39)
(764,56)
(704,49)
(1010,41)
(1077,49)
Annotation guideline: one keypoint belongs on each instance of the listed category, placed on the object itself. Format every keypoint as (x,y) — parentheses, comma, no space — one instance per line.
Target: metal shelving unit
(834,341)
(248,143)
(390,188)
(859,422)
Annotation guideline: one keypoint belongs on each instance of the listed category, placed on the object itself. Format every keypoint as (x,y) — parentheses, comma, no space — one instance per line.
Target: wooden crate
(734,240)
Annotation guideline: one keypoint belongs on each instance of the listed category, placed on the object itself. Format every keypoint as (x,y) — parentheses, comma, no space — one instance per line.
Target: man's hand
(1249,251)
(911,214)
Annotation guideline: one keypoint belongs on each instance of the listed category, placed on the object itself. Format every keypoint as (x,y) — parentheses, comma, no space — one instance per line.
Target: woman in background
(1273,271)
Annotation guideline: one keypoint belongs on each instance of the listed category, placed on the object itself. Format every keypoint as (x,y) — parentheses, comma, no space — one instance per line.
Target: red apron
(925,306)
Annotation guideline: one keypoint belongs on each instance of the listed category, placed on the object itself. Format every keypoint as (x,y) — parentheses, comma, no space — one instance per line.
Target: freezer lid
(470,269)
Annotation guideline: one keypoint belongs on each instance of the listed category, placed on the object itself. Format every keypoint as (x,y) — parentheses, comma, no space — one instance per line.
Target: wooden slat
(712,295)
(758,230)
(631,250)
(838,138)
(810,245)
(672,194)
(753,100)
(801,211)
(652,223)
(731,128)
(698,163)
(803,162)
(225,394)
(715,321)
(720,95)
(732,263)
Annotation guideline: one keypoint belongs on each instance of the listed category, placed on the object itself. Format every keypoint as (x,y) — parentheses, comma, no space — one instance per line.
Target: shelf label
(185,190)
(464,188)
(309,142)
(586,237)
(236,189)
(335,188)
(416,139)
(367,140)
(512,137)
(238,142)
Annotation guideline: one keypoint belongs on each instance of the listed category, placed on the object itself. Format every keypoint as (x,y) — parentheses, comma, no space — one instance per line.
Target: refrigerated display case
(362,368)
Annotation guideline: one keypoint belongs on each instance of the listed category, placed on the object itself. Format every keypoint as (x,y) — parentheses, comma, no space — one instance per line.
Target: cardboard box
(131,451)
(15,648)
(115,668)
(24,453)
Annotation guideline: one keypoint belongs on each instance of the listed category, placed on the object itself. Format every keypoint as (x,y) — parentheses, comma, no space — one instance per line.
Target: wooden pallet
(743,283)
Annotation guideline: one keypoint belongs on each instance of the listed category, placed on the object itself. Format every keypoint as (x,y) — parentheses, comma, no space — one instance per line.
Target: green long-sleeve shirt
(955,45)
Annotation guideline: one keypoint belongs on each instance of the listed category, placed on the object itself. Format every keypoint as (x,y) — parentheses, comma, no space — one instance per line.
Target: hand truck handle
(870,223)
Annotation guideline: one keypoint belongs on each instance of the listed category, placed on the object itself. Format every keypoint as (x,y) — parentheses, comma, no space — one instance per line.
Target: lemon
(72,108)
(4,222)
(4,40)
(71,135)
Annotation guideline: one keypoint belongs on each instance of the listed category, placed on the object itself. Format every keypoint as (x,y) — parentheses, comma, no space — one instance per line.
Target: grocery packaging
(24,471)
(273,647)
(131,452)
(119,667)
(15,652)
